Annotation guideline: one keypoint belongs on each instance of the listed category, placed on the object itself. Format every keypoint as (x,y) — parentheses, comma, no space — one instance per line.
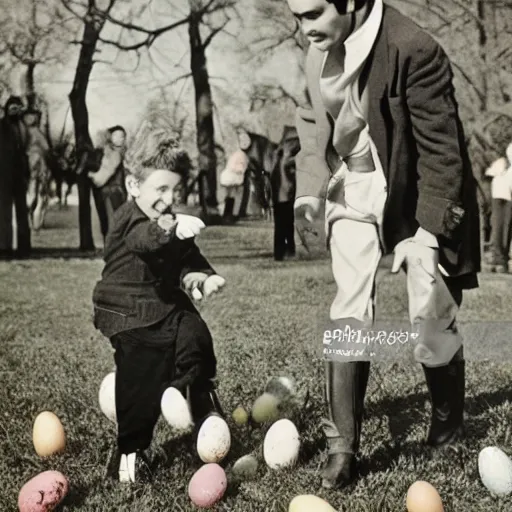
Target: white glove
(213,284)
(188,226)
(194,281)
(411,252)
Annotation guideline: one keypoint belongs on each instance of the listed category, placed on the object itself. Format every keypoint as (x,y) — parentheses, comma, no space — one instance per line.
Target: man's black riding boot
(345,389)
(446,385)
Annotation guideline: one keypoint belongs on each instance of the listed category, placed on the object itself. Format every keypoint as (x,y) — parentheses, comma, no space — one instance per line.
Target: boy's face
(321,22)
(155,193)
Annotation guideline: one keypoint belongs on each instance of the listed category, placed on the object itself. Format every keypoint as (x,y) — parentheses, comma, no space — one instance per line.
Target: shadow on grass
(40,253)
(404,412)
(76,497)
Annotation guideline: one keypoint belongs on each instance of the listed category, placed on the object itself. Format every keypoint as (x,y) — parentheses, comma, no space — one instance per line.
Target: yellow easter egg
(423,497)
(48,435)
(308,503)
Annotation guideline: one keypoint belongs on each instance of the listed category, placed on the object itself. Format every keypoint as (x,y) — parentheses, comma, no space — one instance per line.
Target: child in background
(159,338)
(501,217)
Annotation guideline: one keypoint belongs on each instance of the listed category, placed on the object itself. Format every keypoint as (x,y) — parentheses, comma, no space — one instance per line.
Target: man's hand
(306,209)
(166,222)
(413,253)
(188,226)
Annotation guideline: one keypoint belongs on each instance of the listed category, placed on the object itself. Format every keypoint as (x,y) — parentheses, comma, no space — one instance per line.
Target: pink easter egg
(43,493)
(207,486)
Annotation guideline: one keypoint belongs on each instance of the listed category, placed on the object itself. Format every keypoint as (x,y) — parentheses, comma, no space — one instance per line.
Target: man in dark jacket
(14,180)
(382,147)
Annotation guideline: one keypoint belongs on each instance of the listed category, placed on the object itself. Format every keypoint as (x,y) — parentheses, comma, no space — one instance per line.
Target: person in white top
(382,148)
(501,217)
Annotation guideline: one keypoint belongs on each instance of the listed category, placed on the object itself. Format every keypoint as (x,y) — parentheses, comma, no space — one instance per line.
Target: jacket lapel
(377,74)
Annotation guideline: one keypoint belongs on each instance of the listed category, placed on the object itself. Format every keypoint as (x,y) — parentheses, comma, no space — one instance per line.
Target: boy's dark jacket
(144,266)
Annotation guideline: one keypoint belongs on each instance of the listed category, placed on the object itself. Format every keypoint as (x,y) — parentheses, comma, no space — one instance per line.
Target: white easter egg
(281,445)
(213,440)
(107,397)
(495,468)
(175,410)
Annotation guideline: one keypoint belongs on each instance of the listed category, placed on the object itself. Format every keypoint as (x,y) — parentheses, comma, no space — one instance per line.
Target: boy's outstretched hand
(188,226)
(195,281)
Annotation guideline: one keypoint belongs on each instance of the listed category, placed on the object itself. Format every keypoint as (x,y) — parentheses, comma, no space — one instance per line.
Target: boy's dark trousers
(501,230)
(284,234)
(176,352)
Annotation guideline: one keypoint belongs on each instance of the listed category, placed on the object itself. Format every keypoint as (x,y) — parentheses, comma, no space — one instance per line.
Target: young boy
(159,338)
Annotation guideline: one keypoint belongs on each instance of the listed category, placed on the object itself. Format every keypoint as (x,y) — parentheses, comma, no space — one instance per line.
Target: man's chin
(323,45)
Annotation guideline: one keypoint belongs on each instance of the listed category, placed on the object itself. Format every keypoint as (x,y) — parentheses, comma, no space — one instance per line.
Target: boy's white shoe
(127,468)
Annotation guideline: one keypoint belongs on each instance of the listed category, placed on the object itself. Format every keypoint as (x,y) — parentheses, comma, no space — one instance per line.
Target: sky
(119,94)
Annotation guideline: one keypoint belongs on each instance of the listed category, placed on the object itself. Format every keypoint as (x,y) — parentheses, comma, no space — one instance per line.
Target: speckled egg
(207,486)
(213,439)
(43,493)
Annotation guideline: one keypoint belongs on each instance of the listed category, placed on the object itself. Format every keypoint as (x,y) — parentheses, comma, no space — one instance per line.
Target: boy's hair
(155,149)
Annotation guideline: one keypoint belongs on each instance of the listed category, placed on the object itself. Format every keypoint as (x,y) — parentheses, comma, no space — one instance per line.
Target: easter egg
(245,467)
(43,493)
(423,497)
(308,503)
(281,445)
(48,435)
(282,388)
(265,408)
(495,468)
(213,439)
(107,397)
(175,410)
(240,416)
(207,486)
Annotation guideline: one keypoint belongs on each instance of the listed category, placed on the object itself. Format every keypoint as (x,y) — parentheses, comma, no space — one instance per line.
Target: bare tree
(213,15)
(34,34)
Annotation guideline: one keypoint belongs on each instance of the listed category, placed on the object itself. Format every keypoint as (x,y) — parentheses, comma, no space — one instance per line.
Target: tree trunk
(77,100)
(30,85)
(207,160)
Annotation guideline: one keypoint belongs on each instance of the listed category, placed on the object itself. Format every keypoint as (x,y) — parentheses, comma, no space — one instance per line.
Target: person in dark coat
(141,304)
(14,180)
(383,149)
(283,183)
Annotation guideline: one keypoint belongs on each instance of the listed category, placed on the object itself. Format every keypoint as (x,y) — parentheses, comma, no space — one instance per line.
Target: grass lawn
(265,323)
